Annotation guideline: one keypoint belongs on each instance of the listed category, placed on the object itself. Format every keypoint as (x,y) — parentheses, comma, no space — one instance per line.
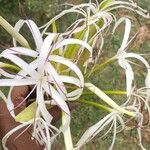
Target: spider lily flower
(138,99)
(90,15)
(43,133)
(94,19)
(122,56)
(60,37)
(139,123)
(43,73)
(93,12)
(88,27)
(41,69)
(112,122)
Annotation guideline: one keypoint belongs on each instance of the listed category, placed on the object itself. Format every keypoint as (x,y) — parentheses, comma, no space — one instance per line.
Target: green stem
(117,92)
(100,66)
(107,99)
(99,106)
(14,33)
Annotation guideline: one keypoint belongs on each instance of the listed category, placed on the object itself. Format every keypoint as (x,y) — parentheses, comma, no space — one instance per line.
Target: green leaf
(9,66)
(13,32)
(104,4)
(54,27)
(27,114)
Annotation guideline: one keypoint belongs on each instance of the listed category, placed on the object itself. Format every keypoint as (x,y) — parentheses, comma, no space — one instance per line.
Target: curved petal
(138,57)
(17,82)
(41,105)
(21,63)
(56,79)
(56,97)
(74,41)
(5,138)
(34,30)
(68,63)
(45,52)
(88,135)
(129,75)
(20,50)
(126,32)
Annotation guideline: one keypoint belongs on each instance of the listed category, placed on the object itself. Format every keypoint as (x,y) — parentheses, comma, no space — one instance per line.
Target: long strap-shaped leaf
(13,32)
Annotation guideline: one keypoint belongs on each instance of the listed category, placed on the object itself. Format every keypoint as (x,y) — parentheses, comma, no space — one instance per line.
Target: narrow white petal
(41,105)
(114,133)
(56,79)
(138,57)
(5,138)
(67,131)
(129,78)
(74,41)
(21,63)
(69,64)
(45,51)
(17,82)
(20,50)
(147,80)
(90,131)
(129,74)
(74,94)
(6,74)
(34,30)
(126,32)
(70,80)
(56,97)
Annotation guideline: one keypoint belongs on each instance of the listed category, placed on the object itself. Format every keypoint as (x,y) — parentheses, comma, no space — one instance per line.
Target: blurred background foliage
(42,11)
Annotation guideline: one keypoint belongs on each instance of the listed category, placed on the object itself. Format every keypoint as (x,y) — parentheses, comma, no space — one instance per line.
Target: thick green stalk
(14,33)
(107,99)
(97,105)
(115,92)
(110,92)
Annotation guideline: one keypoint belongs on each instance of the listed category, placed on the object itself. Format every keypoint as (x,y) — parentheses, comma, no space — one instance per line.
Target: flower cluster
(57,68)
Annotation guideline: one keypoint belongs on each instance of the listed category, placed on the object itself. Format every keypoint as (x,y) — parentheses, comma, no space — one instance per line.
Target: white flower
(41,71)
(92,13)
(110,122)
(44,73)
(137,101)
(122,56)
(90,16)
(116,115)
(114,122)
(43,133)
(92,20)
